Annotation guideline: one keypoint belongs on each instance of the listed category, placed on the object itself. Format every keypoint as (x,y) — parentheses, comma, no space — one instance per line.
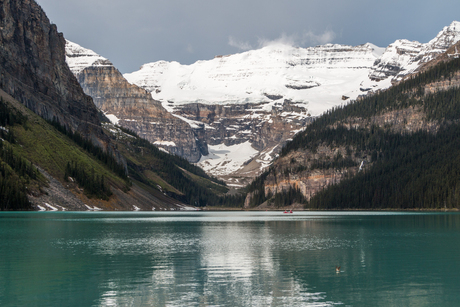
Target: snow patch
(223,160)
(51,207)
(165,143)
(113,119)
(186,208)
(163,150)
(94,208)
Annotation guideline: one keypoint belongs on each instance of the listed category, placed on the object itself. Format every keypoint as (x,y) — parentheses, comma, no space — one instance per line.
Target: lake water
(229,259)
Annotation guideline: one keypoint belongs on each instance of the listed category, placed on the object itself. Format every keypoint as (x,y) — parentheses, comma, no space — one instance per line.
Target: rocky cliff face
(243,139)
(132,107)
(295,169)
(33,69)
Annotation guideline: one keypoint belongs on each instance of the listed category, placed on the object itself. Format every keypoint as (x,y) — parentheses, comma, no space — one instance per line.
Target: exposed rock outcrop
(266,128)
(131,106)
(34,71)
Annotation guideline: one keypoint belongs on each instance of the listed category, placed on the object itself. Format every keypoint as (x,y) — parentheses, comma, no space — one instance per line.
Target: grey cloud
(133,32)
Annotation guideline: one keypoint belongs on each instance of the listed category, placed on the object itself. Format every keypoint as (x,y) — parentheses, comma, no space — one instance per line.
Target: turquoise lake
(229,259)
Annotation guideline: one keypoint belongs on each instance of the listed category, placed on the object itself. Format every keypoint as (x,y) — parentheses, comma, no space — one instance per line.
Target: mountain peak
(446,38)
(79,58)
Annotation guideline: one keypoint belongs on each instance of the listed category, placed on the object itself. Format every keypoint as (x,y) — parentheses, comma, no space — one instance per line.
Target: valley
(249,105)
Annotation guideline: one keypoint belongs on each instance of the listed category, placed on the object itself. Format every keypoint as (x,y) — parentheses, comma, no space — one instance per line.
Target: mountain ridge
(257,100)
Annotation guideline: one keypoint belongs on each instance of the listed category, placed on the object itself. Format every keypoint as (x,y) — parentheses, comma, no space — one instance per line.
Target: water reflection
(236,259)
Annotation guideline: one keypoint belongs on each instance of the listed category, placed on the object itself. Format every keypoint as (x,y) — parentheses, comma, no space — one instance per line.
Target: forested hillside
(15,171)
(150,179)
(396,149)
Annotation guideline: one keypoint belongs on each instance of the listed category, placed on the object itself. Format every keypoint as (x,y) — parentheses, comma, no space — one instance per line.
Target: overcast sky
(133,32)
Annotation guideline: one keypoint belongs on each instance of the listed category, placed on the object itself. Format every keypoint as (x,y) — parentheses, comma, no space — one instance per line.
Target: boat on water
(290,211)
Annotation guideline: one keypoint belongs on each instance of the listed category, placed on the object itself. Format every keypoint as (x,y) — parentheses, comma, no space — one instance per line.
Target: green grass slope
(34,141)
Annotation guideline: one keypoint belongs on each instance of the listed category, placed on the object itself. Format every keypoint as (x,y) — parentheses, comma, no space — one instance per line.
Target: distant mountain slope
(270,74)
(397,149)
(130,106)
(263,97)
(316,77)
(404,57)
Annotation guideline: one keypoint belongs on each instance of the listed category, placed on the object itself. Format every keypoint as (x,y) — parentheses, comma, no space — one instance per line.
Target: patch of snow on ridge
(79,58)
(51,207)
(404,57)
(165,143)
(93,209)
(446,38)
(223,160)
(113,118)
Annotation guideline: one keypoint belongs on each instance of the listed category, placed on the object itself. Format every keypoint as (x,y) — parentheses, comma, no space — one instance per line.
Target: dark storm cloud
(131,33)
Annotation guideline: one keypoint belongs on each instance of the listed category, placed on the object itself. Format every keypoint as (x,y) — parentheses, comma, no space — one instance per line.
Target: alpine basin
(229,259)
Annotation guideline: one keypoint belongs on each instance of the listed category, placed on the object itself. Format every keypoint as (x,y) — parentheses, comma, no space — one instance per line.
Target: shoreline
(330,210)
(230,209)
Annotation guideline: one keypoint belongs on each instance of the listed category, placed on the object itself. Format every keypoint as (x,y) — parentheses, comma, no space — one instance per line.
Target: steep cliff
(131,106)
(33,69)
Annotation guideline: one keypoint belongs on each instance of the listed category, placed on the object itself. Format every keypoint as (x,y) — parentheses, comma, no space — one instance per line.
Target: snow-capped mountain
(79,58)
(404,57)
(246,106)
(317,77)
(271,74)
